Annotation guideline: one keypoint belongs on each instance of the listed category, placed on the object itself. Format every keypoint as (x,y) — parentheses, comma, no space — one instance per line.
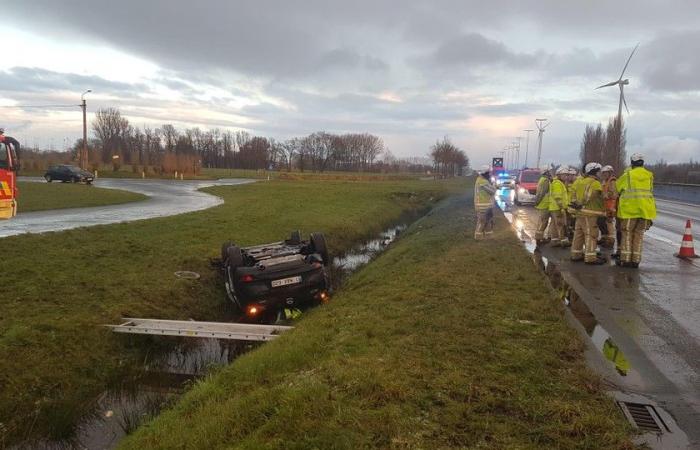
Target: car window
(4,162)
(529,177)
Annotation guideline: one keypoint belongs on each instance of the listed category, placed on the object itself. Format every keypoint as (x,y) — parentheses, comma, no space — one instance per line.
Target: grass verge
(59,287)
(44,196)
(442,342)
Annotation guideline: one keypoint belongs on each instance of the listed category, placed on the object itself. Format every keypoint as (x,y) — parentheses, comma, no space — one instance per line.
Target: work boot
(598,261)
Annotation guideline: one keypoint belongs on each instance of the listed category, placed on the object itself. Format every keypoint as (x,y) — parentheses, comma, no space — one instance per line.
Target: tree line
(448,159)
(605,146)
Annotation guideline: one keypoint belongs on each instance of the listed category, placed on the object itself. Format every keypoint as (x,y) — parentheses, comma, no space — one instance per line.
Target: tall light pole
(517,152)
(541,125)
(527,145)
(84,152)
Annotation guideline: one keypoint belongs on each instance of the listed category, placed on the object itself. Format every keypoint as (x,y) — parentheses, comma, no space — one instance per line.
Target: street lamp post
(84,151)
(527,144)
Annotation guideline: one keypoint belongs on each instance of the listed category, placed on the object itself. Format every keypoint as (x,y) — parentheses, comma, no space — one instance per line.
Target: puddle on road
(170,369)
(599,336)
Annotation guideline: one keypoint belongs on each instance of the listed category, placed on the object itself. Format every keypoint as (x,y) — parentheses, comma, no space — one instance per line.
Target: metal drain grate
(643,416)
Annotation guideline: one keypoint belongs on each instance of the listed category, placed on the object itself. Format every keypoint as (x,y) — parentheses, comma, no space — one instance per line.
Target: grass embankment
(43,196)
(57,288)
(442,342)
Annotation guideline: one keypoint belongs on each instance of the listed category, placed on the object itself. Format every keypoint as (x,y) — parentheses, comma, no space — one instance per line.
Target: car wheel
(318,242)
(224,250)
(76,180)
(48,178)
(234,257)
(295,237)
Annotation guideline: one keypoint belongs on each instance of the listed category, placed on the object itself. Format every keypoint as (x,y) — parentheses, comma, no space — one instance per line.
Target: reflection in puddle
(600,338)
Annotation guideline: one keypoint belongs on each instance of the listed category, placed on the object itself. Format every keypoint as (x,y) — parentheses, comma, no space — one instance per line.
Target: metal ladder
(189,328)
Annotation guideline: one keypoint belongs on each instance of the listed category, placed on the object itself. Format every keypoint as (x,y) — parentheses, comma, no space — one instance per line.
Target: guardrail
(688,193)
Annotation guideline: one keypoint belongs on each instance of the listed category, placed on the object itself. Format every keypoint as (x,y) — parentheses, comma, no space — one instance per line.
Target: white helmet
(592,166)
(573,171)
(562,170)
(484,169)
(636,157)
(607,169)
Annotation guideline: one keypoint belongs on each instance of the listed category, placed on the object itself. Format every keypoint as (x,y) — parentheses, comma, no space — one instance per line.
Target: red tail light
(247,278)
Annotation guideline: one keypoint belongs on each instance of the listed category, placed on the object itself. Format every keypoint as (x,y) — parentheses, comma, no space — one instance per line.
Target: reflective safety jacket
(573,198)
(589,194)
(636,188)
(542,194)
(484,192)
(558,197)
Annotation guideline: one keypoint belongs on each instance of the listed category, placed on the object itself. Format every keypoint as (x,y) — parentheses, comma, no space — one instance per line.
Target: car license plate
(286,281)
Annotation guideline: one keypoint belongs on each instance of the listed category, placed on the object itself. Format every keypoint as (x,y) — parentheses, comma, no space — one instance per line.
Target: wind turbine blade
(612,83)
(624,102)
(628,61)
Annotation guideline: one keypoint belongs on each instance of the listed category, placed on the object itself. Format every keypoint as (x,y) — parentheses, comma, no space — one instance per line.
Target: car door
(64,173)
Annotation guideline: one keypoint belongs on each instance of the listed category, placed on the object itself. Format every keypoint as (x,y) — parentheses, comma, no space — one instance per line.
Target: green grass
(43,196)
(442,342)
(57,288)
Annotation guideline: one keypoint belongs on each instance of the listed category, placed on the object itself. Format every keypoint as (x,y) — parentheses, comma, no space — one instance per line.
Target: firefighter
(542,205)
(572,179)
(484,193)
(636,209)
(607,228)
(558,202)
(589,206)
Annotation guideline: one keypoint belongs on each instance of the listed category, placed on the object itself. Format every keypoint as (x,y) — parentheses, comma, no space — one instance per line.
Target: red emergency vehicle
(9,166)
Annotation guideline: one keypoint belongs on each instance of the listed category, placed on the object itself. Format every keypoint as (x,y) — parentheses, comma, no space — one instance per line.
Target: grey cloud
(33,79)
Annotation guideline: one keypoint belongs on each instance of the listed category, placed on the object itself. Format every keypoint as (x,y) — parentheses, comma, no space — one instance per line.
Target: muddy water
(172,365)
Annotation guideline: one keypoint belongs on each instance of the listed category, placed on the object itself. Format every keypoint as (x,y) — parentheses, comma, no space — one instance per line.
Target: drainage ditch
(172,365)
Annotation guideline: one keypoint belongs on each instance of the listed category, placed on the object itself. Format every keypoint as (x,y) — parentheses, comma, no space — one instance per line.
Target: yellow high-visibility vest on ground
(636,189)
(558,198)
(542,184)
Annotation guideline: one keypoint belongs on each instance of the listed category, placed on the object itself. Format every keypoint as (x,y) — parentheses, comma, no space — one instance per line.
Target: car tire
(75,180)
(318,242)
(234,257)
(224,250)
(48,178)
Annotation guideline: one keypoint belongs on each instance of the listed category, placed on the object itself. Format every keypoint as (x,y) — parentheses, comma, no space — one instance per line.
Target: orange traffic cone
(687,249)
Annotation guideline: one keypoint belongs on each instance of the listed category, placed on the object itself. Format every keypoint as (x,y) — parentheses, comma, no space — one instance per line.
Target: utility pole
(517,154)
(82,160)
(527,145)
(541,125)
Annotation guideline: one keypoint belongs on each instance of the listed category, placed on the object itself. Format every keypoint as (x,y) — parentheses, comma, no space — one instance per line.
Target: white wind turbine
(621,83)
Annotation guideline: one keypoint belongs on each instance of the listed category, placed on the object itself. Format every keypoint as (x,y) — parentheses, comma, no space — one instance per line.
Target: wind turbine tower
(541,125)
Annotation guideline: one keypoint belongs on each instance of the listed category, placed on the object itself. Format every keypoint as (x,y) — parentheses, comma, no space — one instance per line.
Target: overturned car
(264,280)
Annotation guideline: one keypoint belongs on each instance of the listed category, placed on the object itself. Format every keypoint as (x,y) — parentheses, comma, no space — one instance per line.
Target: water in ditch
(165,374)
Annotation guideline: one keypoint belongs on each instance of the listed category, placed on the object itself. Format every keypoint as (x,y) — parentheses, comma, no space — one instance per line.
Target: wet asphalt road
(652,315)
(166,198)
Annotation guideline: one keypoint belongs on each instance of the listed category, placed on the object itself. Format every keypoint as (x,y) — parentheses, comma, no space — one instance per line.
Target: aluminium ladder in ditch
(190,328)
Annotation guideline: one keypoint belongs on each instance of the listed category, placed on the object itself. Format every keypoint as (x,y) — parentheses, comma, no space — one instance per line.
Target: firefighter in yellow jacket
(636,209)
(542,199)
(484,193)
(558,203)
(589,206)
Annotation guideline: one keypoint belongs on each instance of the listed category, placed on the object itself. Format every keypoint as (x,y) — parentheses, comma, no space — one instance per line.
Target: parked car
(68,174)
(526,186)
(505,180)
(265,279)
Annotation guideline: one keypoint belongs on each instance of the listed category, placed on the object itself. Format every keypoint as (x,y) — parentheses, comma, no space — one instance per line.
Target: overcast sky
(408,71)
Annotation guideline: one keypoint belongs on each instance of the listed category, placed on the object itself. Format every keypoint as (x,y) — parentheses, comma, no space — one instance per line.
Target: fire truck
(9,166)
